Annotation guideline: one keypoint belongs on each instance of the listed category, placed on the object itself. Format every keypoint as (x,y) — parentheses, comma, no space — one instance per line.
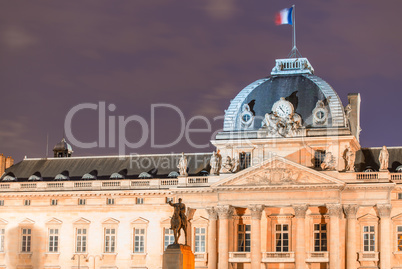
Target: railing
(28,185)
(239,257)
(139,183)
(197,180)
(4,186)
(368,256)
(278,257)
(111,184)
(55,185)
(169,182)
(321,256)
(396,177)
(154,183)
(367,176)
(82,184)
(200,256)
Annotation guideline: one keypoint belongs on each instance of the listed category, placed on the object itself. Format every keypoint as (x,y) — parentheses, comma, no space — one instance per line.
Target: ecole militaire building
(298,191)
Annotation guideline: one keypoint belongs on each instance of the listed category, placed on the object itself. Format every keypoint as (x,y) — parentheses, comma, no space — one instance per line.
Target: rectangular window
(399,238)
(1,202)
(27,202)
(2,238)
(140,201)
(26,240)
(110,201)
(53,202)
(169,199)
(168,237)
(139,240)
(400,196)
(110,240)
(81,240)
(200,240)
(319,156)
(81,201)
(368,238)
(243,237)
(320,237)
(245,160)
(282,238)
(53,240)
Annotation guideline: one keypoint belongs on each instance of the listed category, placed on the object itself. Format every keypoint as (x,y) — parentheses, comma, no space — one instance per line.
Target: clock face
(283,109)
(320,115)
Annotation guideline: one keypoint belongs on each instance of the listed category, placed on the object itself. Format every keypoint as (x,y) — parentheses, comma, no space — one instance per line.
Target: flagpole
(294,28)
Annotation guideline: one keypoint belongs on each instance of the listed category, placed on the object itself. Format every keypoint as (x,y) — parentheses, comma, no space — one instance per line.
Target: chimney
(9,162)
(354,119)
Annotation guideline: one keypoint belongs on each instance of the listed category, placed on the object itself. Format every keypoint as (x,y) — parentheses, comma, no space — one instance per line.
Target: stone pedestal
(178,257)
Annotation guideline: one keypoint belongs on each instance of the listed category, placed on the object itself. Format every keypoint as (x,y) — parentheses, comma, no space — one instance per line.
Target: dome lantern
(62,149)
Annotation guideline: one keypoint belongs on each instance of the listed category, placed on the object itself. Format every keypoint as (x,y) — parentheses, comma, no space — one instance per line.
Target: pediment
(278,171)
(82,221)
(368,217)
(397,217)
(111,221)
(54,221)
(165,221)
(27,221)
(200,220)
(140,221)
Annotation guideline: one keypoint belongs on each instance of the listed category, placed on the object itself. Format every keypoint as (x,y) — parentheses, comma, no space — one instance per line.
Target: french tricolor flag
(284,16)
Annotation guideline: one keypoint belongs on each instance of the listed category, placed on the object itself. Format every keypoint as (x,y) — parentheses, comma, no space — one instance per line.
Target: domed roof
(294,82)
(63,146)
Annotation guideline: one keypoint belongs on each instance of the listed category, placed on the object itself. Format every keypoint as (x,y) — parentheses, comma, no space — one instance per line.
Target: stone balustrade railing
(108,184)
(275,257)
(318,256)
(239,257)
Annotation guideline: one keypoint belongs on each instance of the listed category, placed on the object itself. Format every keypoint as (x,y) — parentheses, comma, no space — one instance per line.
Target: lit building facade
(288,187)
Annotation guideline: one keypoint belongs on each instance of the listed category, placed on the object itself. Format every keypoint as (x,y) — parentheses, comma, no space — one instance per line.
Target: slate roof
(369,157)
(159,166)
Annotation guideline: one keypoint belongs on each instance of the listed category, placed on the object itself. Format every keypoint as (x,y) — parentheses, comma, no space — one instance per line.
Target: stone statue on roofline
(329,162)
(215,164)
(350,157)
(383,158)
(227,166)
(183,165)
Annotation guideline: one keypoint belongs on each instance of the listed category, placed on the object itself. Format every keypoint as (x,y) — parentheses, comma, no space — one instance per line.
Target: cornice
(281,187)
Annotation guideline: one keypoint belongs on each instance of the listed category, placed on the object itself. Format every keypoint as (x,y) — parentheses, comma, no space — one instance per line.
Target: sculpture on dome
(227,166)
(215,163)
(384,159)
(287,126)
(350,157)
(329,162)
(183,165)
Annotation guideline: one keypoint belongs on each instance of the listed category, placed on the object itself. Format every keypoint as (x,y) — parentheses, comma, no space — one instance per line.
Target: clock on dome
(283,108)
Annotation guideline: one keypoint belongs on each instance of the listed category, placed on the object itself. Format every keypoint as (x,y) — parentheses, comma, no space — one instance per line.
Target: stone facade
(278,209)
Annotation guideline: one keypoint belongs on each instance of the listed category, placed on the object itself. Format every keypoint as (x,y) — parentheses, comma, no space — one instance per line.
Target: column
(334,211)
(212,250)
(300,253)
(351,254)
(256,212)
(225,213)
(384,210)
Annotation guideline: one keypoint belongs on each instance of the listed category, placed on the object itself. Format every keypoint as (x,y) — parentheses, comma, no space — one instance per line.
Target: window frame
(320,224)
(54,202)
(281,232)
(110,201)
(80,201)
(139,223)
(247,241)
(144,239)
(369,232)
(139,200)
(205,239)
(171,237)
(1,202)
(112,236)
(54,235)
(76,239)
(27,202)
(27,240)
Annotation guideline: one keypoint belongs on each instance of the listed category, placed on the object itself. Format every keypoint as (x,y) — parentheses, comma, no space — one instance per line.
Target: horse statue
(178,221)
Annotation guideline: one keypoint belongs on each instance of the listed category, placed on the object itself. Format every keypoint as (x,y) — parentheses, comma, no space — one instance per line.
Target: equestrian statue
(179,220)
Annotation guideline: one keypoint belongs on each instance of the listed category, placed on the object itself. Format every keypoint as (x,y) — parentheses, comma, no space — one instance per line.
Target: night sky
(196,55)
